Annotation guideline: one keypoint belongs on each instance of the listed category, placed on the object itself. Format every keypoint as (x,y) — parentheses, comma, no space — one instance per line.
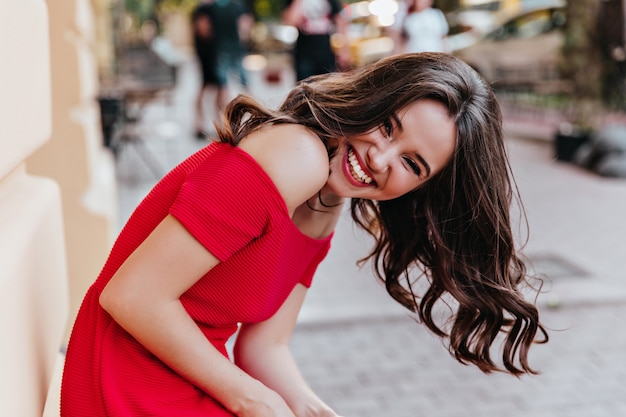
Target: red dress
(226,201)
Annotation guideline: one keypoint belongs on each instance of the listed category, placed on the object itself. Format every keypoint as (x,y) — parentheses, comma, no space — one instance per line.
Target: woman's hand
(269,404)
(318,410)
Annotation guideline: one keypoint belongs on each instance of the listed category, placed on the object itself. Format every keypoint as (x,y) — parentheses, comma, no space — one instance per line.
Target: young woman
(232,237)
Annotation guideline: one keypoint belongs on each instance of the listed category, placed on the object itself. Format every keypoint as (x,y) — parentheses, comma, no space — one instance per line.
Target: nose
(379,156)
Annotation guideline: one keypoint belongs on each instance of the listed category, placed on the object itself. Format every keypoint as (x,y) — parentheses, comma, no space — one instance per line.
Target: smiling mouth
(355,169)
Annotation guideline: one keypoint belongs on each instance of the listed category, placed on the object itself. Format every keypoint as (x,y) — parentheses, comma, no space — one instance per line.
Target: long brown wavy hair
(454,230)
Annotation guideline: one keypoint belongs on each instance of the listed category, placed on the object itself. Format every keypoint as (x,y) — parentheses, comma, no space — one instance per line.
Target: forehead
(429,131)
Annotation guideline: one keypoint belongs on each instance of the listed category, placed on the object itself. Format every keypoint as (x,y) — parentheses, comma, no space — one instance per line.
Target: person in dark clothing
(204,43)
(316,21)
(220,28)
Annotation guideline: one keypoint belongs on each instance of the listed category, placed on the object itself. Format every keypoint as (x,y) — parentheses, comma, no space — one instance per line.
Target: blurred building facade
(57,189)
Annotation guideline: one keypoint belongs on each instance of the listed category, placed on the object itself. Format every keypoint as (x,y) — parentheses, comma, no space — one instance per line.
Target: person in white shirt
(420,27)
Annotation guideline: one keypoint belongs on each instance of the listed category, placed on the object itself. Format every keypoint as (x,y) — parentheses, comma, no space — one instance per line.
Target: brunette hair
(455,229)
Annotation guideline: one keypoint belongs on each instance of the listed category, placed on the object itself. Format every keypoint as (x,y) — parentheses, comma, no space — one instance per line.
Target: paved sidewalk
(393,367)
(366,357)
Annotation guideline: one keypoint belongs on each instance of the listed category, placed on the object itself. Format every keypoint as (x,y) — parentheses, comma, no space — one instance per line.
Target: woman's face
(397,157)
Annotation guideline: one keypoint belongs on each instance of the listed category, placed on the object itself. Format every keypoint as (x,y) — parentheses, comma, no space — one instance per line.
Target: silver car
(521,53)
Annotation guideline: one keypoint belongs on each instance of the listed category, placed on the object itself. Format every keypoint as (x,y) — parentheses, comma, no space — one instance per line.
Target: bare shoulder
(293,156)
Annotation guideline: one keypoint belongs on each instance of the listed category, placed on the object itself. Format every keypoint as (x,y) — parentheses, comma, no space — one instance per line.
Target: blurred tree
(593,56)
(447,5)
(143,10)
(164,6)
(267,9)
(580,57)
(140,10)
(612,41)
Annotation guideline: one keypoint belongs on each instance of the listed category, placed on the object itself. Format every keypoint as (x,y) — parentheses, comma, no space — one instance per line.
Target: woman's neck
(325,200)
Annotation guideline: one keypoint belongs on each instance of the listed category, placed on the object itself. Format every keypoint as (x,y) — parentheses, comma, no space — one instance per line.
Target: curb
(529,130)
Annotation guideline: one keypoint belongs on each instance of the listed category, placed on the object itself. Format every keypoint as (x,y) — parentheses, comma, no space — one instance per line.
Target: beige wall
(57,192)
(33,275)
(74,156)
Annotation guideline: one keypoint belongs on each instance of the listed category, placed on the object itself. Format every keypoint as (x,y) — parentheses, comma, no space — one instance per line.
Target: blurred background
(97,104)
(562,61)
(515,44)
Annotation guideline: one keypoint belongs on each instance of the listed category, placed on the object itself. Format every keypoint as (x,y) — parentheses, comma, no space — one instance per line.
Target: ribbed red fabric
(226,201)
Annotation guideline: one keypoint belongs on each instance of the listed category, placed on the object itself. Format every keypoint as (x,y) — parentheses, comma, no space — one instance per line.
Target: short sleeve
(226,202)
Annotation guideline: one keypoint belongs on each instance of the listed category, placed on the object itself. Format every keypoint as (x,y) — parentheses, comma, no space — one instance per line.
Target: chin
(336,189)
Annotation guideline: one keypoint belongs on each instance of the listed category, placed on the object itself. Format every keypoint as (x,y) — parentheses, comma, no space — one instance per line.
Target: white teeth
(356,170)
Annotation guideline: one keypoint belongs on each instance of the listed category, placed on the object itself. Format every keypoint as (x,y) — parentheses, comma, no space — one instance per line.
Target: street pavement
(367,357)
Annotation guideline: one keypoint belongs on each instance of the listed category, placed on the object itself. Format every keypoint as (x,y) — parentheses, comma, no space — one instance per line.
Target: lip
(348,174)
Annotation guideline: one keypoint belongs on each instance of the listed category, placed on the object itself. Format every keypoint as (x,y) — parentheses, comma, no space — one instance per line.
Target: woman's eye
(412,165)
(388,126)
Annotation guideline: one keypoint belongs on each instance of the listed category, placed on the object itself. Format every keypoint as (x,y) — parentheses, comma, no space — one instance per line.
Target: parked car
(521,53)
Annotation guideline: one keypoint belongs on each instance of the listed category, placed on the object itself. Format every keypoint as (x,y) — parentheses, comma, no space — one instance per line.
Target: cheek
(401,184)
(335,166)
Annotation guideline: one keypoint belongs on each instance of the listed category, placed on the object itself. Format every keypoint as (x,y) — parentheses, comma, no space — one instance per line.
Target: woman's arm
(292,15)
(297,162)
(143,297)
(262,350)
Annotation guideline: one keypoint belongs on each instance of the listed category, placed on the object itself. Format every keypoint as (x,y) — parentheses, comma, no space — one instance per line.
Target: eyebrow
(417,156)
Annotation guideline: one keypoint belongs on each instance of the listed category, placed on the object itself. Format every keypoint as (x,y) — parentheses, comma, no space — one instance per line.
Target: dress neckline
(282,203)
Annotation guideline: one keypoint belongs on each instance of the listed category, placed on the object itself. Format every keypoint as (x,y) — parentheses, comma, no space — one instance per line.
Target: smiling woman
(397,157)
(231,238)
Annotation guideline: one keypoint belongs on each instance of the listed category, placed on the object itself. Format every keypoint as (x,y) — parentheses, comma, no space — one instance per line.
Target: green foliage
(447,5)
(581,61)
(267,9)
(140,10)
(585,61)
(169,6)
(593,34)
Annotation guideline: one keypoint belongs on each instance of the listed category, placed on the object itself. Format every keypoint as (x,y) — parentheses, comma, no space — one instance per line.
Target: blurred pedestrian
(227,244)
(221,28)
(317,21)
(420,27)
